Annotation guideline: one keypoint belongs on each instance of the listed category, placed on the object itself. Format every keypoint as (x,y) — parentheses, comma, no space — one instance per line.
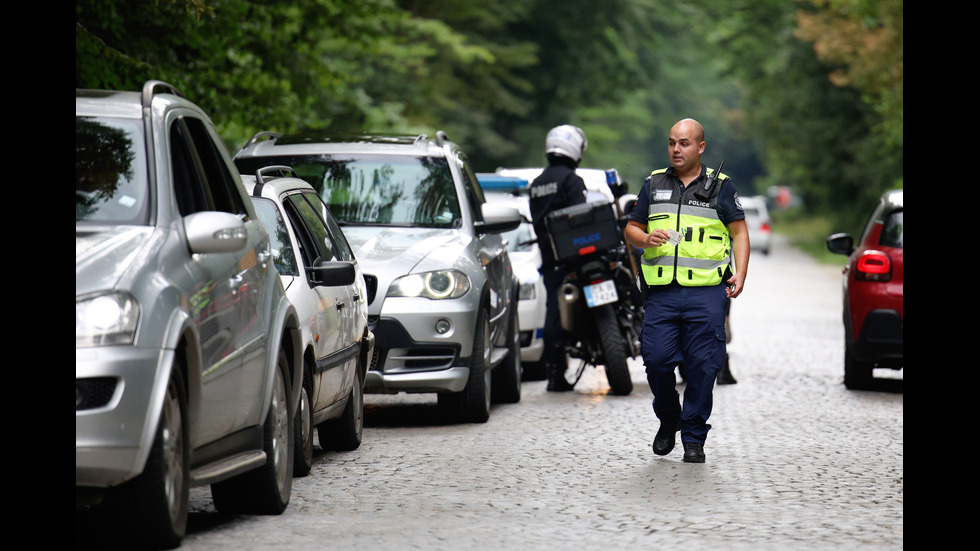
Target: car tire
(857,374)
(344,433)
(472,404)
(303,431)
(152,508)
(265,490)
(507,376)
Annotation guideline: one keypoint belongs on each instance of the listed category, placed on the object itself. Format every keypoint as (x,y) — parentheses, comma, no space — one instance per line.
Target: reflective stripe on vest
(704,253)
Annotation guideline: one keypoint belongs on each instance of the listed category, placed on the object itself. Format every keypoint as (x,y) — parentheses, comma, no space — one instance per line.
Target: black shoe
(666,437)
(725,376)
(693,452)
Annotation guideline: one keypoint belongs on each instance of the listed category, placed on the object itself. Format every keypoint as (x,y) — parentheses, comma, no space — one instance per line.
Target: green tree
(864,38)
(812,134)
(806,94)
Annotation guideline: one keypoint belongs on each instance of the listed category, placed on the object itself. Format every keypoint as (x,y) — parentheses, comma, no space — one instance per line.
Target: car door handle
(340,305)
(357,297)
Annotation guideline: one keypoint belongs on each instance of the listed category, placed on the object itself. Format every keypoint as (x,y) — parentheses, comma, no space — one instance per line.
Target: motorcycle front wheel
(613,350)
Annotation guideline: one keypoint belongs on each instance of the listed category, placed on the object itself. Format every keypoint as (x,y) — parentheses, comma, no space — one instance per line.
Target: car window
(341,246)
(111,184)
(390,190)
(283,255)
(892,230)
(318,238)
(202,180)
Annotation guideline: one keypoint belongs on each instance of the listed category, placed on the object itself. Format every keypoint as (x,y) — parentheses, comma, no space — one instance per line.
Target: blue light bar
(495,182)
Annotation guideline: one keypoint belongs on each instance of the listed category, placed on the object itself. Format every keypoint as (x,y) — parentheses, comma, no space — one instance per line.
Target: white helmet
(566,140)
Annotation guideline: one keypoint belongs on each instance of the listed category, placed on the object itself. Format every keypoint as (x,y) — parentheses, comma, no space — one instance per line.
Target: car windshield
(110,172)
(386,190)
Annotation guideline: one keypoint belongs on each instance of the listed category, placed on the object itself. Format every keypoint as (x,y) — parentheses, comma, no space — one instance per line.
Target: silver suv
(445,309)
(186,366)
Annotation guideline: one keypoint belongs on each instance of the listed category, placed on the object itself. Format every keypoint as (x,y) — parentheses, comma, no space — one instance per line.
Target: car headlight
(438,284)
(106,320)
(527,291)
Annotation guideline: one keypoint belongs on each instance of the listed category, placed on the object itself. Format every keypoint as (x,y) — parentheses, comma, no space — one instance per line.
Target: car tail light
(765,227)
(874,266)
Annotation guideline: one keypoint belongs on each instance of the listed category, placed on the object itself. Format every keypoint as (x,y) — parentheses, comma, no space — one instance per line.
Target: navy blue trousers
(684,324)
(554,334)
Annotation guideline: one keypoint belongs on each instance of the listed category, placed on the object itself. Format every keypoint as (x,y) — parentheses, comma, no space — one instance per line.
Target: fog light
(442,327)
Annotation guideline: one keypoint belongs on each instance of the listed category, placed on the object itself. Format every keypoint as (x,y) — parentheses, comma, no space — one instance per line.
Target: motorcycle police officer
(557,187)
(691,227)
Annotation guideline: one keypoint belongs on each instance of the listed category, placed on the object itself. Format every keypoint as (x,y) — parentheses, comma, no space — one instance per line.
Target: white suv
(445,309)
(324,283)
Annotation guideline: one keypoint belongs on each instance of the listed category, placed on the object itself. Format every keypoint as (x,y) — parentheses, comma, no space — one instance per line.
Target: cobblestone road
(794,460)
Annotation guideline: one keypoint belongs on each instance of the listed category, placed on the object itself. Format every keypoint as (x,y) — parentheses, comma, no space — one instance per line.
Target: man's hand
(740,242)
(638,237)
(735,285)
(656,239)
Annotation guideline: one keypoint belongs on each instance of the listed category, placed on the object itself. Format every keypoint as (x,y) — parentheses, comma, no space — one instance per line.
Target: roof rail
(421,138)
(281,171)
(441,137)
(261,178)
(152,85)
(259,135)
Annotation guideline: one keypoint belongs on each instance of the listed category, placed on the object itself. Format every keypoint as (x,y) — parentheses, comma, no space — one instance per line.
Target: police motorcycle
(600,306)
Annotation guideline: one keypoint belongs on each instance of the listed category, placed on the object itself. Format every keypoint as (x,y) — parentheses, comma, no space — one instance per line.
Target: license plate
(600,293)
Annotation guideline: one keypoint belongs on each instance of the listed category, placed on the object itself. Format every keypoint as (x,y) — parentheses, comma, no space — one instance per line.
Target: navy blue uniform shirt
(729,208)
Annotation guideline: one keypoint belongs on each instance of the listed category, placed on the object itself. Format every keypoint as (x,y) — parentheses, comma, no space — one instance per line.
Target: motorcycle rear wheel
(614,350)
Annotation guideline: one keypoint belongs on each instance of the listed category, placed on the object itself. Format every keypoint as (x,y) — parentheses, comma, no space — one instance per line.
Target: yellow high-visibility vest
(704,253)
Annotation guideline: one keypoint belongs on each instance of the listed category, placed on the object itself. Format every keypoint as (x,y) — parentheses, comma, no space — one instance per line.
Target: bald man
(691,227)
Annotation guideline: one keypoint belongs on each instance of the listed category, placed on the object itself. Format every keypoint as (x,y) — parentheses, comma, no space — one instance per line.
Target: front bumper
(532,345)
(411,355)
(118,392)
(531,314)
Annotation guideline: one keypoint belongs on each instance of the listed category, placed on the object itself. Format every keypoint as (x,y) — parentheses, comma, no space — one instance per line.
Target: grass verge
(809,234)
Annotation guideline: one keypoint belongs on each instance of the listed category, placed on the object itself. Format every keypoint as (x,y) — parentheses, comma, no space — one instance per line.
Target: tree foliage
(865,39)
(806,93)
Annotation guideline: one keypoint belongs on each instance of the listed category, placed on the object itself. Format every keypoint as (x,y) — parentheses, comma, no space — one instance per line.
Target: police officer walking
(691,227)
(557,187)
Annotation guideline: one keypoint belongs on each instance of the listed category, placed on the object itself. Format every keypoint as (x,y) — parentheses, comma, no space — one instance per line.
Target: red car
(873,297)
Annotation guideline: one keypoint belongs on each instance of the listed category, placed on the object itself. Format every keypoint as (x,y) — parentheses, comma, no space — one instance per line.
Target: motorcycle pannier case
(583,229)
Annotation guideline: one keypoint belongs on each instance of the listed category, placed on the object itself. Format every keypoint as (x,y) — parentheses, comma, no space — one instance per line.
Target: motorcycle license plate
(600,293)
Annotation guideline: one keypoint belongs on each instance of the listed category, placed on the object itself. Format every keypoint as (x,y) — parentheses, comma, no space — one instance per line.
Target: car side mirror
(214,232)
(498,219)
(619,189)
(840,243)
(333,273)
